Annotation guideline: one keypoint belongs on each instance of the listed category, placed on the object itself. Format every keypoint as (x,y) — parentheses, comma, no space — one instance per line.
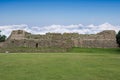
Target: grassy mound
(32,50)
(94,50)
(56,50)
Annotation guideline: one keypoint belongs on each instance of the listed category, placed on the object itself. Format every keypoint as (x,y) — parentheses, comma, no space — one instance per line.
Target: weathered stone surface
(20,38)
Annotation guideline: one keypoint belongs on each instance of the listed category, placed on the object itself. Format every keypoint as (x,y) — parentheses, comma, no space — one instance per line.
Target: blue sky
(47,12)
(42,16)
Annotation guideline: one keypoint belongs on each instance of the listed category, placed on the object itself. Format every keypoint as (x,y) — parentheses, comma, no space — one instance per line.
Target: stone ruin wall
(20,38)
(105,39)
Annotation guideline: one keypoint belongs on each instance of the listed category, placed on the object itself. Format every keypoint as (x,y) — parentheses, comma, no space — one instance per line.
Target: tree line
(2,37)
(118,38)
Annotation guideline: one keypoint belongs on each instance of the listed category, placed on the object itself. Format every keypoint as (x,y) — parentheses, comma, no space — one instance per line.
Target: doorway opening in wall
(36,45)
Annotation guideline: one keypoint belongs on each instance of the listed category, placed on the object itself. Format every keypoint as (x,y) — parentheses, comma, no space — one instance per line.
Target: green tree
(118,38)
(2,37)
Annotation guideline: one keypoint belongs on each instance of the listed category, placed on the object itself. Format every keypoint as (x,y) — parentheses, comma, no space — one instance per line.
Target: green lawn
(60,66)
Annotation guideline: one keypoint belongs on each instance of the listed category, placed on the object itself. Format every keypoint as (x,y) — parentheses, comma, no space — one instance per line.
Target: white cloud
(6,29)
(82,29)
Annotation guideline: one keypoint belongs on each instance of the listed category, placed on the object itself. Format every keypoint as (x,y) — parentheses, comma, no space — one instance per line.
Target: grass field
(76,65)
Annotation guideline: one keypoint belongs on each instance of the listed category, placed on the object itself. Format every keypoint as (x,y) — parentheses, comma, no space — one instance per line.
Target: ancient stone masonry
(21,38)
